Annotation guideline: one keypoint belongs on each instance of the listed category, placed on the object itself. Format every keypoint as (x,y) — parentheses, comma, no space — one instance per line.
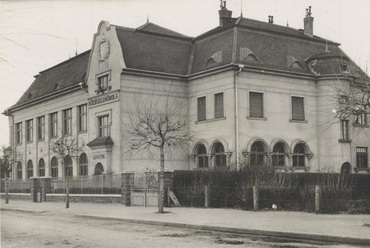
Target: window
(219,105)
(299,155)
(201,156)
(361,117)
(68,166)
(29,130)
(103,126)
(258,151)
(99,169)
(41,127)
(82,118)
(18,133)
(344,134)
(67,121)
(54,167)
(256,105)
(54,125)
(362,157)
(29,169)
(19,170)
(278,154)
(83,165)
(202,108)
(103,83)
(42,168)
(219,155)
(298,108)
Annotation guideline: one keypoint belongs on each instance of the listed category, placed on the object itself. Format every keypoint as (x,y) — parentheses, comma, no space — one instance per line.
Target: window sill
(345,141)
(360,125)
(298,168)
(83,131)
(41,140)
(361,169)
(211,120)
(257,118)
(298,121)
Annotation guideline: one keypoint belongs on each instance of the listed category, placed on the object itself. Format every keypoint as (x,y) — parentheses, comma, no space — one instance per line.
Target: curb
(23,210)
(301,236)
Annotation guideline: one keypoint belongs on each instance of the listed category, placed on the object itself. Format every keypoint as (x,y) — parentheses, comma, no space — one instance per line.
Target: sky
(36,35)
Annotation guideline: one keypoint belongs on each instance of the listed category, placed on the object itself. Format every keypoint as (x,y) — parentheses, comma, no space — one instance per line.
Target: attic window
(215,59)
(248,55)
(294,63)
(57,87)
(344,68)
(29,95)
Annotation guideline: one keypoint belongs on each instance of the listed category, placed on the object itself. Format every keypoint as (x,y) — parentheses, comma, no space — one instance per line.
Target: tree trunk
(67,194)
(161,183)
(6,190)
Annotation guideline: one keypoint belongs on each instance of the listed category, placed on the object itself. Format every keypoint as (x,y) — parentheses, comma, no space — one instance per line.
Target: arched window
(219,155)
(278,154)
(299,155)
(19,170)
(201,156)
(83,165)
(346,168)
(257,155)
(54,167)
(29,169)
(99,169)
(68,166)
(41,167)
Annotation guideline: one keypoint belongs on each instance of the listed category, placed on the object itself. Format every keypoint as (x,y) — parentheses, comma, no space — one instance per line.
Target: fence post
(255,198)
(207,196)
(6,190)
(317,197)
(127,182)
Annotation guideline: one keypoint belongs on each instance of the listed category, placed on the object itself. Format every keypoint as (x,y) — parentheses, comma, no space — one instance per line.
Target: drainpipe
(236,93)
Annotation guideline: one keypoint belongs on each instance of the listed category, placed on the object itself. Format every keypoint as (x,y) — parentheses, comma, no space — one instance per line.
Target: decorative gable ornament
(215,59)
(248,55)
(292,62)
(103,50)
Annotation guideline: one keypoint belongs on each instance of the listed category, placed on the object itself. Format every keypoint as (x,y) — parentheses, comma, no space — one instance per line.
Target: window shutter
(256,104)
(219,105)
(298,108)
(202,108)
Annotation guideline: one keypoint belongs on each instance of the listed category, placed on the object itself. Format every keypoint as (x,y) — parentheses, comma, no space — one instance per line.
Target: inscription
(103,99)
(99,156)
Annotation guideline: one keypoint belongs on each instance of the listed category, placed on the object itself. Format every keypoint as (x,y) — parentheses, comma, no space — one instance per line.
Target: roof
(151,47)
(101,141)
(58,77)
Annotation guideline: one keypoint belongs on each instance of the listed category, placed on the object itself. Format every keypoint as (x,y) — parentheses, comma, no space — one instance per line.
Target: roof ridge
(169,31)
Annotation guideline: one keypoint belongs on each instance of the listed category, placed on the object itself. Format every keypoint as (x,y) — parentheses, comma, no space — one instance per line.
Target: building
(256,92)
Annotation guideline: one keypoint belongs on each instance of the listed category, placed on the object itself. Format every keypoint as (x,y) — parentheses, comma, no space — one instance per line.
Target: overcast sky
(35,35)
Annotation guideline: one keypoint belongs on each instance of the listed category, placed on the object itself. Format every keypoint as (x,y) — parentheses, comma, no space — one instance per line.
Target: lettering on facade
(99,156)
(103,99)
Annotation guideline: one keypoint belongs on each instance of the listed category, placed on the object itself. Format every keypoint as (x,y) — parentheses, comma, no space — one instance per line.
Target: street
(20,229)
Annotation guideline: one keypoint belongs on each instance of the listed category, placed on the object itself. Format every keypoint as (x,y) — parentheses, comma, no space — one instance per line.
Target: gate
(145,191)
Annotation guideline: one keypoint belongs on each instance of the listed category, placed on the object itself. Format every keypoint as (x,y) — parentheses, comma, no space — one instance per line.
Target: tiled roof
(156,29)
(101,141)
(63,75)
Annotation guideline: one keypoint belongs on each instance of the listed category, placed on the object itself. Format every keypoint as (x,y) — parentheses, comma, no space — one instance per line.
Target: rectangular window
(219,105)
(361,157)
(41,127)
(344,134)
(103,83)
(67,121)
(361,117)
(29,130)
(54,125)
(298,108)
(202,108)
(103,126)
(18,133)
(82,118)
(256,104)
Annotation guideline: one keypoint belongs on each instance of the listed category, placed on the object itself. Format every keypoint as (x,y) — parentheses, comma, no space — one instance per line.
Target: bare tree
(8,159)
(65,150)
(354,99)
(158,122)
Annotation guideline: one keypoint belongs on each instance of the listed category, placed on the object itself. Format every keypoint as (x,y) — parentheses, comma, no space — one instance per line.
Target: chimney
(271,19)
(225,15)
(308,23)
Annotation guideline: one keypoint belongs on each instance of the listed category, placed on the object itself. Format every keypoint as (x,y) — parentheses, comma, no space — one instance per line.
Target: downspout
(236,104)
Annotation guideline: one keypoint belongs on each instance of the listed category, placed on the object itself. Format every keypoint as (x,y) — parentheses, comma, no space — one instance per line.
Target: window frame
(362,157)
(344,131)
(18,133)
(202,108)
(41,128)
(102,127)
(41,167)
(83,166)
(29,131)
(278,159)
(19,170)
(54,167)
(54,125)
(82,118)
(67,122)
(219,113)
(261,107)
(293,106)
(105,85)
(201,158)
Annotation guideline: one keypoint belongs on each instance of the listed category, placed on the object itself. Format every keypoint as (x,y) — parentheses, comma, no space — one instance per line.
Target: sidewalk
(353,229)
